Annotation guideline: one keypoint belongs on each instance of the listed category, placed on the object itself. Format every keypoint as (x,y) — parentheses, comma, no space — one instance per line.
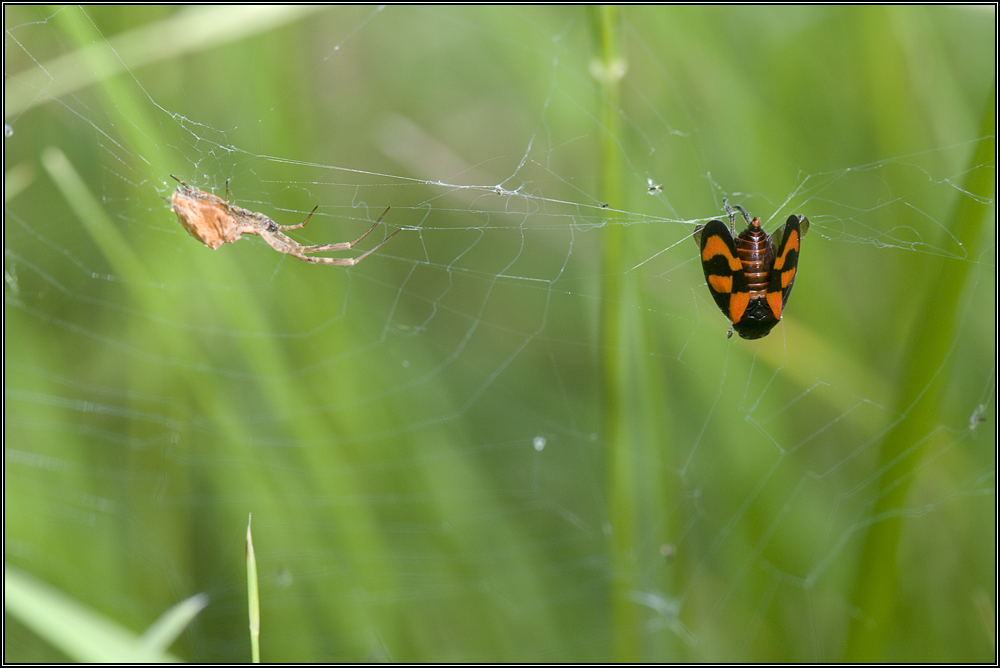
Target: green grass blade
(188,31)
(112,243)
(922,384)
(253,596)
(172,623)
(80,632)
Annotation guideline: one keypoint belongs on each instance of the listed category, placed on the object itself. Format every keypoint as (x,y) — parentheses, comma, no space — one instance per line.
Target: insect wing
(786,240)
(723,269)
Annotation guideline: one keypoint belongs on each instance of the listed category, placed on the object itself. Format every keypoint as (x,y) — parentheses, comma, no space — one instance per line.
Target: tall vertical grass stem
(925,371)
(253,596)
(608,68)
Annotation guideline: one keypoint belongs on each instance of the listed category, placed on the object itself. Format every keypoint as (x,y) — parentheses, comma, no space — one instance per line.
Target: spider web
(422,438)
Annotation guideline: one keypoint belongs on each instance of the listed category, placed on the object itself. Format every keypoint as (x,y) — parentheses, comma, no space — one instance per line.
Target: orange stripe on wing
(792,244)
(714,245)
(722,284)
(787,277)
(738,302)
(774,302)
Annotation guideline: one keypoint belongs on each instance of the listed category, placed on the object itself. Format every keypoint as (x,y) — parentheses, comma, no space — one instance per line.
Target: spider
(214,222)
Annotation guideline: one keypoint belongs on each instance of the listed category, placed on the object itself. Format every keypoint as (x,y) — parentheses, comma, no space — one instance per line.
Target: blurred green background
(422,439)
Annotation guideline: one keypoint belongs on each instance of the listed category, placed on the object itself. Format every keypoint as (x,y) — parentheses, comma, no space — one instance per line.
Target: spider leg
(344,245)
(343,261)
(732,216)
(303,223)
(746,216)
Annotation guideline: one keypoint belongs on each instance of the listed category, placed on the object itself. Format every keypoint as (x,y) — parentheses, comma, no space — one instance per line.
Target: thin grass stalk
(607,67)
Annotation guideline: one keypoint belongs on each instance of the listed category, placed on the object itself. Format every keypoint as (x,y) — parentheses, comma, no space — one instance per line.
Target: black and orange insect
(750,276)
